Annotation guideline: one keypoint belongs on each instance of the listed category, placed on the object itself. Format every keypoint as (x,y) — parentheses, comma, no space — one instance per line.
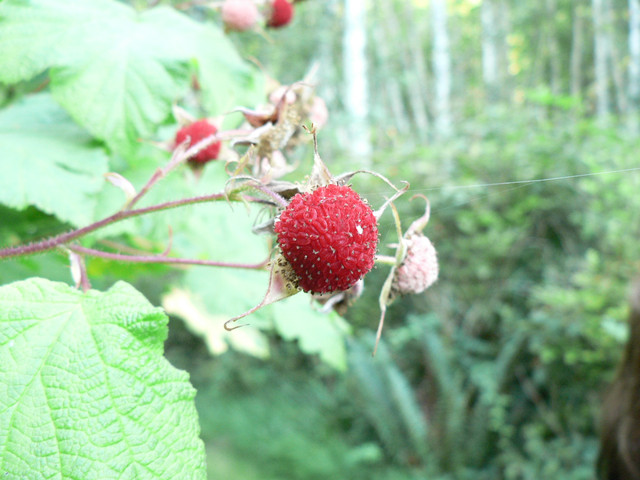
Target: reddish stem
(163,259)
(64,238)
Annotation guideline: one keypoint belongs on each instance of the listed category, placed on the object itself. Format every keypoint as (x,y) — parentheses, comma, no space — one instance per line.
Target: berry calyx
(239,15)
(420,267)
(329,237)
(281,13)
(197,131)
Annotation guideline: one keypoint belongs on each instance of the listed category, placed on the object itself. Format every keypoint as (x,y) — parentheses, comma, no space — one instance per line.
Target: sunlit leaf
(85,391)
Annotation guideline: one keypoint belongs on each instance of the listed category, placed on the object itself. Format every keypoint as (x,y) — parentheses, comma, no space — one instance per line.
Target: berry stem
(385,260)
(65,238)
(180,155)
(163,259)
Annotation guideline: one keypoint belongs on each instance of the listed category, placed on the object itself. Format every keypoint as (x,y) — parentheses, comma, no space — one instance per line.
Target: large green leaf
(85,391)
(118,71)
(48,161)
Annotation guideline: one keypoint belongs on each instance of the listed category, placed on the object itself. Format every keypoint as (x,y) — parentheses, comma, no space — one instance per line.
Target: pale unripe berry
(420,267)
(240,15)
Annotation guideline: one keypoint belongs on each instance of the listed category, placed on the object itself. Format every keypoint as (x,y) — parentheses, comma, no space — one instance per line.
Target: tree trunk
(634,64)
(577,49)
(416,31)
(490,50)
(552,49)
(441,68)
(356,83)
(600,60)
(615,59)
(393,32)
(391,88)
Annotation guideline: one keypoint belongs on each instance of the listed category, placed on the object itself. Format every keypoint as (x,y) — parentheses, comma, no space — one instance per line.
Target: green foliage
(86,390)
(227,293)
(118,71)
(48,161)
(527,319)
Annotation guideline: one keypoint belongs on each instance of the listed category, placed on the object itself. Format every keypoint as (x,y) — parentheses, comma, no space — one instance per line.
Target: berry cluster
(242,15)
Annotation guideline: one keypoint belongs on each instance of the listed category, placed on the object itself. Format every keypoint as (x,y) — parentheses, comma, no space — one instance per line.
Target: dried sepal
(419,224)
(181,116)
(384,300)
(339,301)
(122,183)
(320,174)
(283,283)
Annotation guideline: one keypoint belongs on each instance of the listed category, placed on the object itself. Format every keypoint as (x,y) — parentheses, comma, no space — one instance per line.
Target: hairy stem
(65,238)
(163,259)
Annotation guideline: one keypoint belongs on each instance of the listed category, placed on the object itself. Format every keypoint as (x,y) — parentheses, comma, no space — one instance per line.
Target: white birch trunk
(614,58)
(553,48)
(392,91)
(415,89)
(577,36)
(634,63)
(489,49)
(600,60)
(356,83)
(441,68)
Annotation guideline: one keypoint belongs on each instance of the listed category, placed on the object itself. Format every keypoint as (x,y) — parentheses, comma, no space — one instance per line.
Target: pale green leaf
(48,161)
(317,333)
(227,293)
(118,71)
(85,392)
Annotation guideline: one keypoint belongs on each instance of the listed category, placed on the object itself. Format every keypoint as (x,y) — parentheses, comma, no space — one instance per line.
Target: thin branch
(163,259)
(64,238)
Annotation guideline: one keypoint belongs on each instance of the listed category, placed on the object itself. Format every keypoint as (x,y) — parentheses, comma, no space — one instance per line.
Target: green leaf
(48,161)
(118,71)
(318,333)
(85,391)
(226,293)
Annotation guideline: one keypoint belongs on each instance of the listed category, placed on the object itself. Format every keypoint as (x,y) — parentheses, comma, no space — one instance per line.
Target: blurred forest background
(520,121)
(498,370)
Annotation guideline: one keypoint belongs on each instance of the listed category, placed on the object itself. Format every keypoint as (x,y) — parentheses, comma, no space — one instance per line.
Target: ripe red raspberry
(198,131)
(281,13)
(239,15)
(420,267)
(329,237)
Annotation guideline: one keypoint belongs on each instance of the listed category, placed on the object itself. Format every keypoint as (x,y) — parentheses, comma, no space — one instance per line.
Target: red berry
(329,237)
(197,131)
(239,15)
(281,13)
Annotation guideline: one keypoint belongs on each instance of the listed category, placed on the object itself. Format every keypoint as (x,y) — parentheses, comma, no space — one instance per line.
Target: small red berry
(197,131)
(281,13)
(239,15)
(329,237)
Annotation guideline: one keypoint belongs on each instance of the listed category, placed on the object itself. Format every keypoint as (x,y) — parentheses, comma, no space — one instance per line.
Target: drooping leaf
(48,161)
(85,391)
